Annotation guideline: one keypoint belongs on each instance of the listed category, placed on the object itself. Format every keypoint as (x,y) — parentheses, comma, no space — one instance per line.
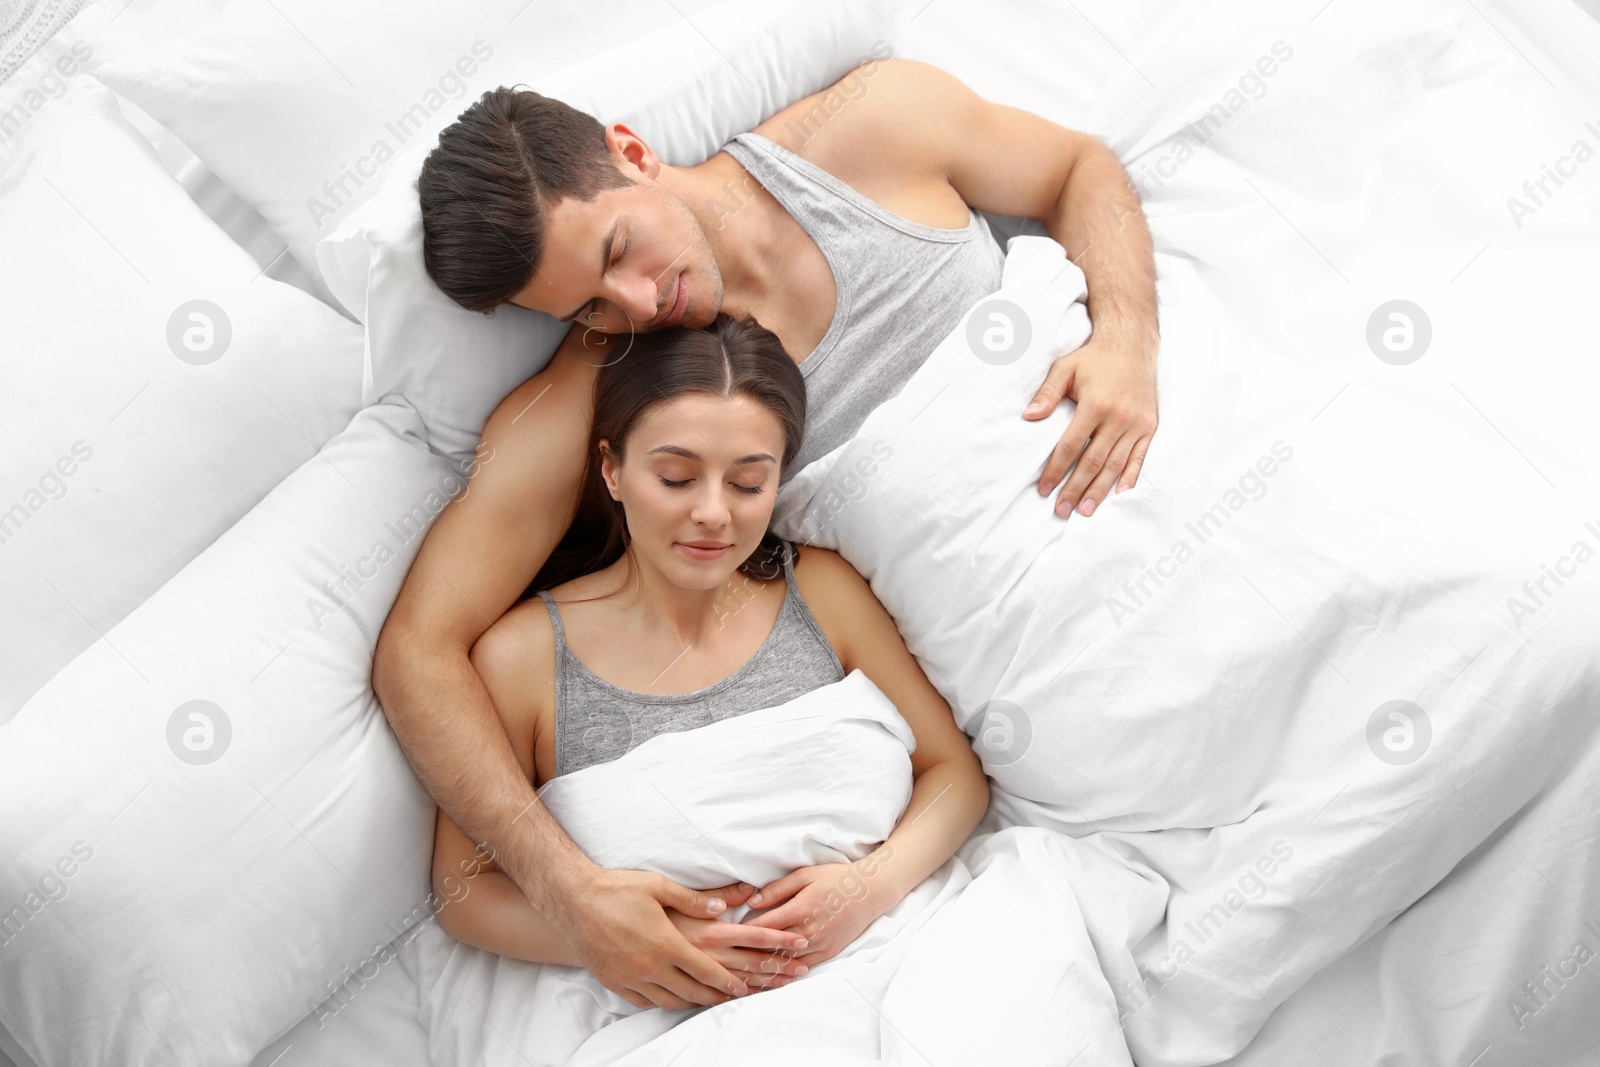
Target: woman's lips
(701,552)
(680,302)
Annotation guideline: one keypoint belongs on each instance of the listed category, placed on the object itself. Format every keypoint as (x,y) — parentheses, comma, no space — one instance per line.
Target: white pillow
(125,453)
(182,899)
(682,94)
(301,107)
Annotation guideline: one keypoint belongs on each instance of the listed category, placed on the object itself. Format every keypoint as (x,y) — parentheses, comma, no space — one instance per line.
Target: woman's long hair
(731,357)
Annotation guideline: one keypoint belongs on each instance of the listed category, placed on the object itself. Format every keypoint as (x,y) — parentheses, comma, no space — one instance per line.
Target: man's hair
(486,188)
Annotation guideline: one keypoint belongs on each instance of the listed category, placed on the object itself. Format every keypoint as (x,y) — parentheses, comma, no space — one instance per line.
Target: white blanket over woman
(987,960)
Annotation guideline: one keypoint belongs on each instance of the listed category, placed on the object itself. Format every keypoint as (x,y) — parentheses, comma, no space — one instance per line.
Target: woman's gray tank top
(901,286)
(597,722)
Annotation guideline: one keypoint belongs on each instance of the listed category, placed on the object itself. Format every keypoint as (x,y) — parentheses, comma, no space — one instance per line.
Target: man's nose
(636,296)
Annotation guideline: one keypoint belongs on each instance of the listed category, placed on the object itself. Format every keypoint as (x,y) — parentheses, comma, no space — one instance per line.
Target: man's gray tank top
(901,287)
(597,722)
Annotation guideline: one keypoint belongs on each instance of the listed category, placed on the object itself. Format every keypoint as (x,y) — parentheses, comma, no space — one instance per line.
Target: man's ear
(629,150)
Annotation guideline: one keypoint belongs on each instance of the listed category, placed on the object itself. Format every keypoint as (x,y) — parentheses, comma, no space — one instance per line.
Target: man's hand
(1114,386)
(617,923)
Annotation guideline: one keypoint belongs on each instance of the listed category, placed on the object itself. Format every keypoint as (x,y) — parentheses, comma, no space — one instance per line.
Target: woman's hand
(830,905)
(761,958)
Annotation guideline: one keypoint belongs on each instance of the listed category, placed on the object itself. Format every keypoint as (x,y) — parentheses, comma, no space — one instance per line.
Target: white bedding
(823,778)
(1376,164)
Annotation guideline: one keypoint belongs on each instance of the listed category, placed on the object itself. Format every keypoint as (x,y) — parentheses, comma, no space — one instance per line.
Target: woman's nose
(711,509)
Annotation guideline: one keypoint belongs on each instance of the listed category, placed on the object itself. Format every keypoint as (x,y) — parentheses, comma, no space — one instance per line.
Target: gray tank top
(901,286)
(597,722)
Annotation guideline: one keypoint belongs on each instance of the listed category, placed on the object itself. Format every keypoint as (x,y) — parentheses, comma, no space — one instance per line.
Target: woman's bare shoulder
(835,592)
(515,657)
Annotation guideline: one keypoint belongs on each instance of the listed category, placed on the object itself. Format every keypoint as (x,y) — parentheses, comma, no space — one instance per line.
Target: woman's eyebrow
(678,450)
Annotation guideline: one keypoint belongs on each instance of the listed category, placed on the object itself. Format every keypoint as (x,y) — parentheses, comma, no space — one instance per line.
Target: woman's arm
(949,797)
(478,903)
(480,906)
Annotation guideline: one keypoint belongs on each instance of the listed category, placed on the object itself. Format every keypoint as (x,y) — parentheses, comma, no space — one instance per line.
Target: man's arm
(480,555)
(1013,162)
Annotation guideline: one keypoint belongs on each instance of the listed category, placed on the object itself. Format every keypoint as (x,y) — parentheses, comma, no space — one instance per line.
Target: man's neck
(744,223)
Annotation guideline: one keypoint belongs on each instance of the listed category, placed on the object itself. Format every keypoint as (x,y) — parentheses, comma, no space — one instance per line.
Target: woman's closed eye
(750,489)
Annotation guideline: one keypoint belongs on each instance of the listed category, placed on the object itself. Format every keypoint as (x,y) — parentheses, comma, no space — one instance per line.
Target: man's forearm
(1097,218)
(447,724)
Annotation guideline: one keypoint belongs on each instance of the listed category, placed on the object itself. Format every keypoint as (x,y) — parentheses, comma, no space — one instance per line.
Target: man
(852,233)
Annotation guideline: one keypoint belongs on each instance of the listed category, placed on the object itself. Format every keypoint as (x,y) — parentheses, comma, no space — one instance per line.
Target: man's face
(624,261)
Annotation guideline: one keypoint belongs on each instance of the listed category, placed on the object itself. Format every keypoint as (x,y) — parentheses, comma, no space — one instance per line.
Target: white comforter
(987,960)
(1281,686)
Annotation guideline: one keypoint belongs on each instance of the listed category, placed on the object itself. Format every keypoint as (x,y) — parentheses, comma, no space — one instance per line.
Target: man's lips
(680,302)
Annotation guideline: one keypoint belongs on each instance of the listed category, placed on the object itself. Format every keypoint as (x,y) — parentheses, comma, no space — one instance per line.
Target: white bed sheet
(1404,985)
(369,1021)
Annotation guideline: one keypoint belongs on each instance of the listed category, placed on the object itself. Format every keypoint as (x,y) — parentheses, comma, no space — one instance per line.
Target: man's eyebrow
(756,457)
(605,257)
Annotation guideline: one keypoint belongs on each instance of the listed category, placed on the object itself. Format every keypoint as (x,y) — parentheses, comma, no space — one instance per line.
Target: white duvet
(987,960)
(1284,690)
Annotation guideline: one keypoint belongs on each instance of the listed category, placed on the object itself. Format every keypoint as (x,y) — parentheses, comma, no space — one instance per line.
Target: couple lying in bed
(669,606)
(860,247)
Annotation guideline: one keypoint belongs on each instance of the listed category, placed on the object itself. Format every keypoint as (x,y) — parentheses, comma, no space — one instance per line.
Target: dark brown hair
(731,357)
(486,187)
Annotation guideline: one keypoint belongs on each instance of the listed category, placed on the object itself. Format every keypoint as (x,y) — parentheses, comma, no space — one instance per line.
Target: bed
(1374,675)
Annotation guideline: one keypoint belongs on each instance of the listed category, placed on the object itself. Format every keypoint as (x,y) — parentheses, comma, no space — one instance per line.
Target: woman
(669,606)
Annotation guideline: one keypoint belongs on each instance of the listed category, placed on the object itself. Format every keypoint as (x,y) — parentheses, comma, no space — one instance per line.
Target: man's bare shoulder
(882,130)
(904,100)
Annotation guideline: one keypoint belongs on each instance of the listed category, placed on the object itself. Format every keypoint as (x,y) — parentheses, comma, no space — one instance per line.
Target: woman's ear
(608,468)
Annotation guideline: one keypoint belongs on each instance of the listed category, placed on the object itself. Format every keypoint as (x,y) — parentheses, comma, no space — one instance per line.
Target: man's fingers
(663,997)
(1056,384)
(703,969)
(689,901)
(757,980)
(1088,467)
(1080,431)
(1098,487)
(1130,476)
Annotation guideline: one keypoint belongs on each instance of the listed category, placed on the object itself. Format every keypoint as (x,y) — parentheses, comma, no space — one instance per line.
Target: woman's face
(697,483)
